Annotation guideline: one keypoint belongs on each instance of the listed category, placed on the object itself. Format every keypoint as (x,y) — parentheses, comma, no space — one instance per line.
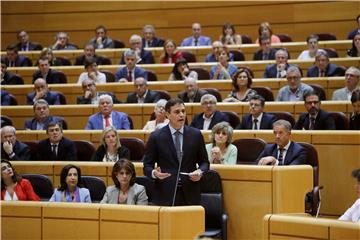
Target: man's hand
(99,40)
(39,94)
(87,94)
(123,80)
(8,147)
(160,175)
(270,160)
(195,175)
(92,75)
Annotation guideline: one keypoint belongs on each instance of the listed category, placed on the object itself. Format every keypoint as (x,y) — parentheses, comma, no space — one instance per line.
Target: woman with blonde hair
(265,29)
(170,54)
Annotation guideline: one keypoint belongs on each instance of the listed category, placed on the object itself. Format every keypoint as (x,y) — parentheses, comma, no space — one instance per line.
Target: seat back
(104,60)
(331,52)
(62,98)
(203,74)
(64,124)
(62,77)
(234,120)
(110,77)
(118,44)
(13,101)
(320,90)
(64,61)
(34,148)
(238,56)
(136,147)
(164,94)
(96,186)
(341,121)
(41,184)
(131,122)
(189,57)
(215,92)
(326,36)
(84,149)
(265,92)
(249,149)
(5,121)
(151,75)
(285,116)
(284,37)
(16,80)
(246,39)
(148,184)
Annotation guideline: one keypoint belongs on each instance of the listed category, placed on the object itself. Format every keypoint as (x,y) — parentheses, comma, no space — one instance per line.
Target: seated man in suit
(91,96)
(315,118)
(210,116)
(278,70)
(150,39)
(257,119)
(295,89)
(89,51)
(266,52)
(323,67)
(24,42)
(6,75)
(356,31)
(56,146)
(142,56)
(45,72)
(41,91)
(13,59)
(192,92)
(106,117)
(217,46)
(284,151)
(130,72)
(352,78)
(101,40)
(5,98)
(11,148)
(42,116)
(142,93)
(63,42)
(196,39)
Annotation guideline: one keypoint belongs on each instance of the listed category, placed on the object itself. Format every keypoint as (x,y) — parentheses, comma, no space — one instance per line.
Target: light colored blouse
(353,213)
(230,157)
(101,78)
(152,126)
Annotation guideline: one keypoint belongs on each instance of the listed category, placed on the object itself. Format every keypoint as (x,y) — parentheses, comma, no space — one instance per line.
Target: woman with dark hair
(70,189)
(355,49)
(353,213)
(92,72)
(125,191)
(181,71)
(223,69)
(265,29)
(313,46)
(242,91)
(110,149)
(228,36)
(13,186)
(170,54)
(355,116)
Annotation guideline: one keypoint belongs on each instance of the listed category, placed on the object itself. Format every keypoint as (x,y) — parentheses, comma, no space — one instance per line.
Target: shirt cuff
(153,174)
(12,155)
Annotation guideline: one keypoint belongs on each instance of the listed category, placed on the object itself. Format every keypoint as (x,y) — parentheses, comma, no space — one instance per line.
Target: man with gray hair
(210,116)
(283,151)
(217,46)
(278,70)
(63,42)
(352,78)
(106,117)
(150,39)
(12,149)
(192,92)
(142,56)
(323,67)
(130,72)
(91,95)
(295,89)
(142,93)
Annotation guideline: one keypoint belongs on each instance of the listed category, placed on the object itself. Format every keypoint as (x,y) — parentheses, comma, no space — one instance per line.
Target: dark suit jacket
(123,73)
(66,150)
(198,120)
(21,61)
(323,121)
(7,77)
(258,55)
(31,124)
(32,46)
(271,71)
(156,42)
(146,58)
(194,152)
(53,98)
(99,60)
(83,100)
(5,98)
(355,122)
(52,76)
(123,152)
(199,93)
(151,97)
(266,121)
(331,70)
(296,154)
(21,150)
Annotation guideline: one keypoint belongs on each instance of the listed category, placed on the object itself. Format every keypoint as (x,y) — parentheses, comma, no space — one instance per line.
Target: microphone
(177,179)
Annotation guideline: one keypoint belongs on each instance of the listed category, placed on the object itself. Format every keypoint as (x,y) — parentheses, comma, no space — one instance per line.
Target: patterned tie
(178,145)
(130,76)
(280,158)
(312,123)
(255,124)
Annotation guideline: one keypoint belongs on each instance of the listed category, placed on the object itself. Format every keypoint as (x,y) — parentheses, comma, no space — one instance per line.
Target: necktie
(53,150)
(107,121)
(279,74)
(322,73)
(255,124)
(178,145)
(280,158)
(265,56)
(149,44)
(196,42)
(312,123)
(130,76)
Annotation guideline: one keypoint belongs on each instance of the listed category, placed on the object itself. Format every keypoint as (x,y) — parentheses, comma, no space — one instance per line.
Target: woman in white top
(160,117)
(312,42)
(91,72)
(181,71)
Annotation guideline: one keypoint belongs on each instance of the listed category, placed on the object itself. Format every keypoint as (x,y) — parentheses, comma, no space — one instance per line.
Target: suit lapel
(289,154)
(171,142)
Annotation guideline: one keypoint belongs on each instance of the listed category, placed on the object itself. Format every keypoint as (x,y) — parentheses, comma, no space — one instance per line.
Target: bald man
(196,39)
(41,91)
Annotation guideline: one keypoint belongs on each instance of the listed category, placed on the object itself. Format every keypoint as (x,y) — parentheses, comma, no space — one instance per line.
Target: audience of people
(89,51)
(91,95)
(53,61)
(192,92)
(41,91)
(354,51)
(6,76)
(265,29)
(11,148)
(142,56)
(241,82)
(142,93)
(62,42)
(101,40)
(228,36)
(130,72)
(171,54)
(91,72)
(217,46)
(160,117)
(223,69)
(322,66)
(355,116)
(312,43)
(266,52)
(24,43)
(352,78)
(355,31)
(196,39)
(45,72)
(149,39)
(278,69)
(181,71)
(13,59)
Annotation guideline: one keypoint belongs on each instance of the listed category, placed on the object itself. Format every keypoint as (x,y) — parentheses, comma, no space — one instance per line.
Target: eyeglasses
(88,85)
(207,103)
(312,102)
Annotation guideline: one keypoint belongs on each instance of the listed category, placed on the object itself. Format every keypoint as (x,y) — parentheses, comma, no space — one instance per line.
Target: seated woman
(355,116)
(70,189)
(265,28)
(170,54)
(228,36)
(181,71)
(312,43)
(110,149)
(125,191)
(53,61)
(223,70)
(220,150)
(160,117)
(242,91)
(13,186)
(91,72)
(353,213)
(355,49)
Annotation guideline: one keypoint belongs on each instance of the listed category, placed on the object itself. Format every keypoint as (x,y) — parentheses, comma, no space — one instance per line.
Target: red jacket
(24,191)
(174,57)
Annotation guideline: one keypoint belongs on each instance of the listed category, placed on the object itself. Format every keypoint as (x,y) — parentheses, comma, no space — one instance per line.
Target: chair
(148,184)
(84,150)
(136,147)
(118,44)
(41,184)
(234,120)
(96,186)
(131,122)
(16,80)
(151,75)
(34,148)
(284,37)
(249,149)
(64,124)
(238,56)
(265,92)
(285,116)
(320,90)
(189,57)
(203,74)
(64,61)
(212,200)
(215,92)
(62,98)
(110,77)
(341,121)
(331,52)
(103,60)
(62,77)
(13,101)
(6,121)
(245,39)
(164,94)
(326,36)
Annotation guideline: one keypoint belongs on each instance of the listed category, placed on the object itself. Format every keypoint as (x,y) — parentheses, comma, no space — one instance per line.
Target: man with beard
(192,92)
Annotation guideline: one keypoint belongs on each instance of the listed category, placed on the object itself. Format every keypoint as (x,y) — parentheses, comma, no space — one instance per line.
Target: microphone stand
(177,179)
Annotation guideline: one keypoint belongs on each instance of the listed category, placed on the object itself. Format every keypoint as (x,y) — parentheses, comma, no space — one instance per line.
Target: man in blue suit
(149,39)
(13,59)
(284,151)
(142,56)
(41,91)
(323,67)
(130,72)
(180,157)
(278,70)
(196,39)
(106,117)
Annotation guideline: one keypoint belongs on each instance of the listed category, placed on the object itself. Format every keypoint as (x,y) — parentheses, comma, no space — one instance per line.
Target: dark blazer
(83,100)
(271,71)
(199,93)
(31,47)
(21,61)
(156,42)
(146,58)
(7,77)
(151,97)
(194,153)
(198,120)
(21,150)
(355,122)
(259,54)
(331,70)
(123,73)
(66,150)
(123,152)
(267,121)
(295,155)
(53,98)
(323,121)
(99,60)
(31,124)
(53,76)
(5,98)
